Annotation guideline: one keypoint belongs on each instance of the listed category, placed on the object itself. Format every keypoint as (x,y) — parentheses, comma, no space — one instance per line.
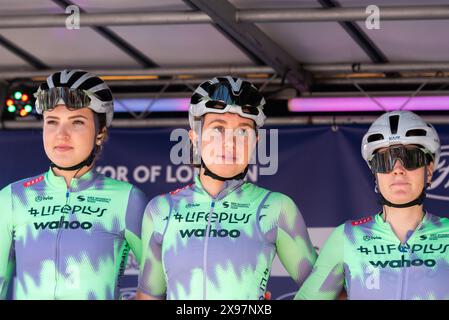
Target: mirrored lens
(73,98)
(410,157)
(248,97)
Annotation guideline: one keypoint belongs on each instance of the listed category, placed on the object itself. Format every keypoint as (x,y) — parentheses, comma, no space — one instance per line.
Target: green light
(17,95)
(28,108)
(12,108)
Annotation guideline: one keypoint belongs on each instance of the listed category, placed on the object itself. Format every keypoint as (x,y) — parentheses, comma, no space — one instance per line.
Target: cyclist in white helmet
(401,252)
(67,232)
(216,238)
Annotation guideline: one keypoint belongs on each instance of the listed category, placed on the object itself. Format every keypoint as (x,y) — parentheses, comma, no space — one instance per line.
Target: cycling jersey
(68,243)
(222,247)
(369,260)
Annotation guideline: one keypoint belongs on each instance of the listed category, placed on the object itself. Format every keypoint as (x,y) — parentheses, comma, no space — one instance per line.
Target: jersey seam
(259,229)
(170,202)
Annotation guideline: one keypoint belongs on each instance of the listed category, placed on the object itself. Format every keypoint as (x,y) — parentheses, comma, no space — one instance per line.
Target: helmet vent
(416,133)
(375,137)
(196,98)
(394,121)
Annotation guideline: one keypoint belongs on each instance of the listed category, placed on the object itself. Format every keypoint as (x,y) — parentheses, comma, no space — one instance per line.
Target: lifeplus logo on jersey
(222,217)
(428,249)
(67,209)
(432,248)
(202,217)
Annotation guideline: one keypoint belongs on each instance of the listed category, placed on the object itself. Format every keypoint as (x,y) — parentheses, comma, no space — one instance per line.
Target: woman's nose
(62,132)
(398,167)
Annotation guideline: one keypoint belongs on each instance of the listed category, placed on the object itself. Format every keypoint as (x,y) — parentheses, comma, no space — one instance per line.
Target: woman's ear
(429,169)
(101,137)
(193,136)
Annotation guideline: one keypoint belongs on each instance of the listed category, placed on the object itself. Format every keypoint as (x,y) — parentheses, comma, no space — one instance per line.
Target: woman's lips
(399,184)
(227,159)
(63,148)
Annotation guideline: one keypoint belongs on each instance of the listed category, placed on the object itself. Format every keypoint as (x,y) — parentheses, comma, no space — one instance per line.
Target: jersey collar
(425,220)
(228,187)
(77,184)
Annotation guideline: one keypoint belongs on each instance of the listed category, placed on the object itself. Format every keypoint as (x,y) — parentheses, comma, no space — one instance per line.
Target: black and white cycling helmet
(75,89)
(227,94)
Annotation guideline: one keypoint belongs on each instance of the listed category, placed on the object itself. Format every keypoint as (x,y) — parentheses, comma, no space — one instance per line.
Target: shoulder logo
(175,192)
(180,189)
(361,221)
(32,182)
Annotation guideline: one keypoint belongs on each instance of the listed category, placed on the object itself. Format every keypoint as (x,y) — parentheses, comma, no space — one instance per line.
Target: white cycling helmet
(227,94)
(400,127)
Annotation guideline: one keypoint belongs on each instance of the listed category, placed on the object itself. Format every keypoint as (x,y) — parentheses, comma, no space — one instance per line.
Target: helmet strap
(417,201)
(87,162)
(209,173)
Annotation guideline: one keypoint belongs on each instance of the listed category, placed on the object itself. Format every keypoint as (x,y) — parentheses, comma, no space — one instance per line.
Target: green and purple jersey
(370,262)
(68,243)
(196,246)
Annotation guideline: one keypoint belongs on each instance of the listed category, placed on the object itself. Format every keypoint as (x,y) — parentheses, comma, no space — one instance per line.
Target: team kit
(66,233)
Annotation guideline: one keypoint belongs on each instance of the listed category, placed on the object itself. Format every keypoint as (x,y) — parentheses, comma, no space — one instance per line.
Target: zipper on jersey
(405,271)
(404,283)
(219,197)
(212,205)
(58,238)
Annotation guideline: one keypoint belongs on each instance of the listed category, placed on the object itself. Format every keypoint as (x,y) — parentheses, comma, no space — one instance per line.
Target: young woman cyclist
(67,232)
(401,252)
(216,238)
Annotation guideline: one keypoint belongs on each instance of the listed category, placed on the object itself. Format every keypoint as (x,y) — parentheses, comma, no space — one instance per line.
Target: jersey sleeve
(7,256)
(137,201)
(293,244)
(327,278)
(152,277)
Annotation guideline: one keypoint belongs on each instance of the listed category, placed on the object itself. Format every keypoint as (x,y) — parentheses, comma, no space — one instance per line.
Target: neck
(402,220)
(69,175)
(211,185)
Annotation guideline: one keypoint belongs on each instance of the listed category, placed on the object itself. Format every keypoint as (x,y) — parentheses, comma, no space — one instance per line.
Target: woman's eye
(242,132)
(50,122)
(218,129)
(79,122)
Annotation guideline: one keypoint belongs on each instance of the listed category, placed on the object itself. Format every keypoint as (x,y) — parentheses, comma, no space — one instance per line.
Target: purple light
(338,104)
(160,105)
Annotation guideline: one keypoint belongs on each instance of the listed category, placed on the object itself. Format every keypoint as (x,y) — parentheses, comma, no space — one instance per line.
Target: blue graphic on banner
(319,167)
